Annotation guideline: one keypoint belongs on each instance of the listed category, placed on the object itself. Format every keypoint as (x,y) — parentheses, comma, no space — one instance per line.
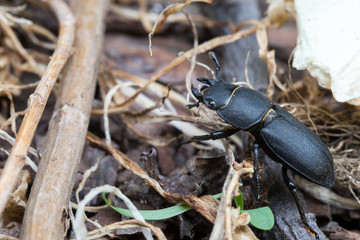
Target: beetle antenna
(213,57)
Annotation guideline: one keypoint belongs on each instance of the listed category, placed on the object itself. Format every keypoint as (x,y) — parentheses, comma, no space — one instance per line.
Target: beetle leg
(291,186)
(213,136)
(256,171)
(335,142)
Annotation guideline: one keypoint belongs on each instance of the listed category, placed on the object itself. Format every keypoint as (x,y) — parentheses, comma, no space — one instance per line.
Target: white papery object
(328,45)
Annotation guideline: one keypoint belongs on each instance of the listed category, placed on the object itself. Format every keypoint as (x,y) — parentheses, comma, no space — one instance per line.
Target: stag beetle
(281,136)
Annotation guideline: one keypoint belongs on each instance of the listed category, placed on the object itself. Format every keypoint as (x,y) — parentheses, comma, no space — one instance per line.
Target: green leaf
(152,214)
(239,200)
(261,218)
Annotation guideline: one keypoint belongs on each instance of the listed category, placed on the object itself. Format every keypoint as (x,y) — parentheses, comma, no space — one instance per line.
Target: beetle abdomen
(246,108)
(288,141)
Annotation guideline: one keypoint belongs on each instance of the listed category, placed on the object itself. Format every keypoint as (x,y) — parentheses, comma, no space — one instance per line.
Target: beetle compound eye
(212,104)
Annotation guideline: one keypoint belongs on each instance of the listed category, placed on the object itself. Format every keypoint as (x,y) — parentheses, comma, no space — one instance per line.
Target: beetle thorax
(218,95)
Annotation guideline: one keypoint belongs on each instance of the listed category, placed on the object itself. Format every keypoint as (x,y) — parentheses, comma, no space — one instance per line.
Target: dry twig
(37,101)
(67,130)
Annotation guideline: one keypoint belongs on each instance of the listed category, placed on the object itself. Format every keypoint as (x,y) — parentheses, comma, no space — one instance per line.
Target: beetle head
(214,93)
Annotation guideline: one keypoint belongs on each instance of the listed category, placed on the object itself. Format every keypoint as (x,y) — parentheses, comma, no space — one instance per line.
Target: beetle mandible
(281,136)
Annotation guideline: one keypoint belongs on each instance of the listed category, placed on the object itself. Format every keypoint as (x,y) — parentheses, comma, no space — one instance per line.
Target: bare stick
(54,182)
(37,101)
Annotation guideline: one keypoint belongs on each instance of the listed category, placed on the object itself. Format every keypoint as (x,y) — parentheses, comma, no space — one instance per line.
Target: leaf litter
(122,90)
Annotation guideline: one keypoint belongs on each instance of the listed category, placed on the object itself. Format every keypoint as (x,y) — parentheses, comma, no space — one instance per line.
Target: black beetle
(281,136)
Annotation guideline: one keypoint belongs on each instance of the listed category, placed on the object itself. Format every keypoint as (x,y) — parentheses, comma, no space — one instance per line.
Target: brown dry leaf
(240,229)
(236,224)
(206,205)
(15,207)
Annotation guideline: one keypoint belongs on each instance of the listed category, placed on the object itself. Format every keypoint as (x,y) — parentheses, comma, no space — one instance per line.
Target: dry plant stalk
(37,101)
(269,59)
(53,185)
(224,224)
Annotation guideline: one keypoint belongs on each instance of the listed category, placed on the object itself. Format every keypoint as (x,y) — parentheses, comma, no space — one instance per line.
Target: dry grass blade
(19,58)
(9,33)
(326,195)
(79,223)
(269,58)
(32,29)
(37,101)
(206,205)
(107,230)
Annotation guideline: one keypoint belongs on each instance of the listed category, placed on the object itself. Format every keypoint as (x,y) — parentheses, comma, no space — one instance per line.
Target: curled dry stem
(79,221)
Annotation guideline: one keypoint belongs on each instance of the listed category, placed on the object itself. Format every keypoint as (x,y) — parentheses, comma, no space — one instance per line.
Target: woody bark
(50,194)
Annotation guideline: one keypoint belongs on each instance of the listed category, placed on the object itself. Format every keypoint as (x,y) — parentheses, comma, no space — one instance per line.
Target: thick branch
(54,182)
(37,101)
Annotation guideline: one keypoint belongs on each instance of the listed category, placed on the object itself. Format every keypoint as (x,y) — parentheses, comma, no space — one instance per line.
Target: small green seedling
(261,218)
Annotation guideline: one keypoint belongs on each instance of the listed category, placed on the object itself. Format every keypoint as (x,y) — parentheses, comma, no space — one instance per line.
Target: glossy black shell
(288,141)
(282,137)
(246,108)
